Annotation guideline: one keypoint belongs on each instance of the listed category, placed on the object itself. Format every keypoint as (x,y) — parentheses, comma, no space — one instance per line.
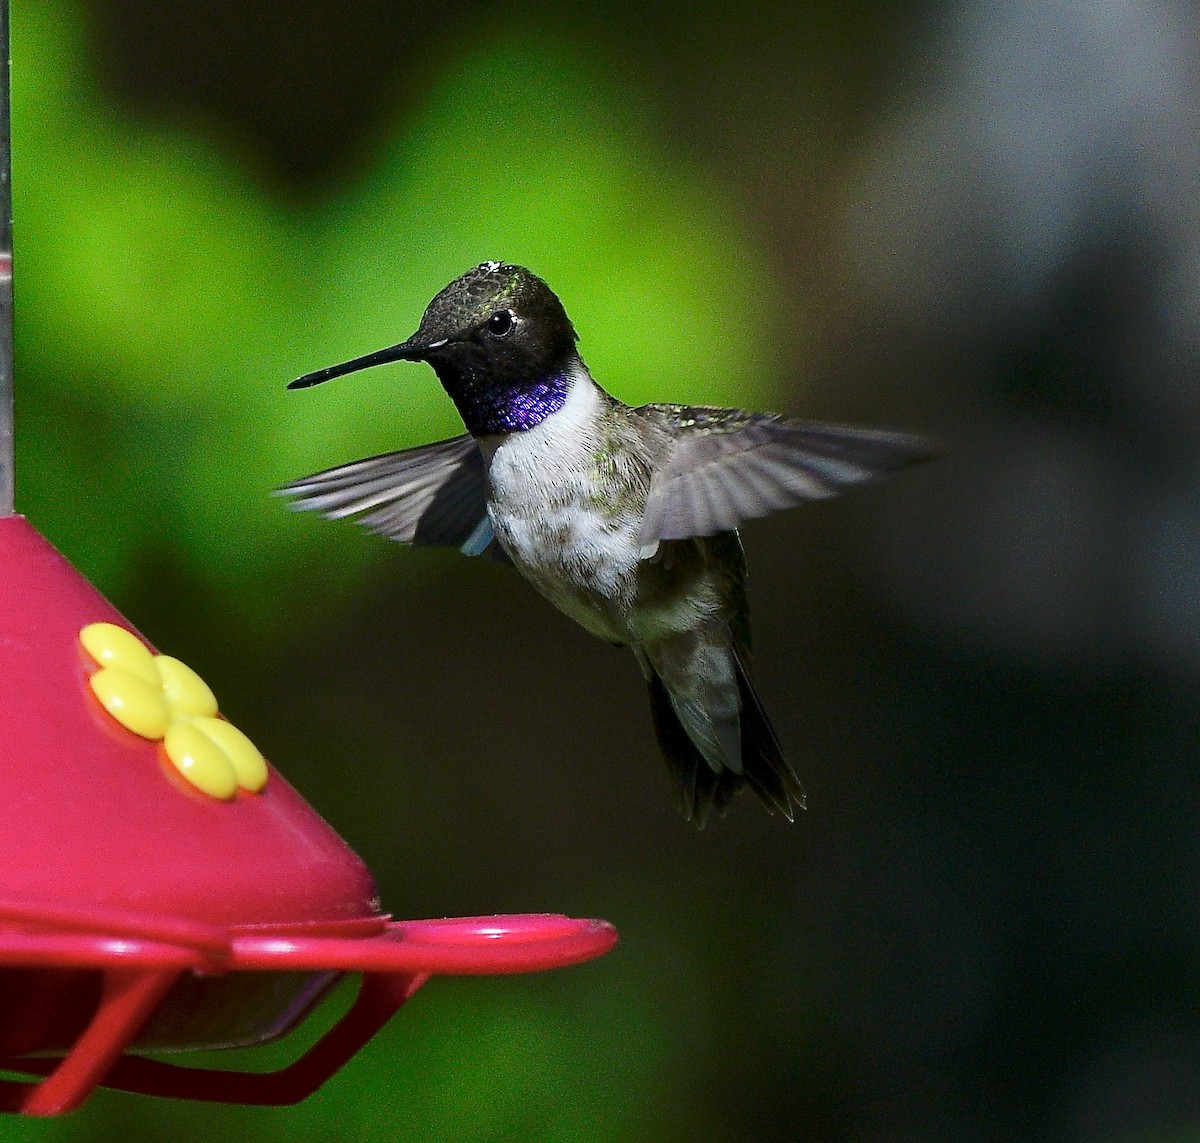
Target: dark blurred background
(974,219)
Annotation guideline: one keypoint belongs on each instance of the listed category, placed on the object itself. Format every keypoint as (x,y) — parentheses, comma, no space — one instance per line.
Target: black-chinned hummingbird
(624,518)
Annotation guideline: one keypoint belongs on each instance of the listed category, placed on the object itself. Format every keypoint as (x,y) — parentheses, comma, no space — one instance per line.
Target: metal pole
(6,307)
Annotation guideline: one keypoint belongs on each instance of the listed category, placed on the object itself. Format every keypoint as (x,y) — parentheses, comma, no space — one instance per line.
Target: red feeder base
(141,910)
(137,975)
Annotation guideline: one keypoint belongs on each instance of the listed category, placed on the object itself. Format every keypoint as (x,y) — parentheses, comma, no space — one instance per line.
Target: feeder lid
(177,816)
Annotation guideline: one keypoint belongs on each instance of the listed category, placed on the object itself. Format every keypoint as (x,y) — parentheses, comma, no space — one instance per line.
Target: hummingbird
(625,518)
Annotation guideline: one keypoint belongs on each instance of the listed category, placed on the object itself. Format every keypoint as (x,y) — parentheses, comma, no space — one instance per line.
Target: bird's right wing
(433,495)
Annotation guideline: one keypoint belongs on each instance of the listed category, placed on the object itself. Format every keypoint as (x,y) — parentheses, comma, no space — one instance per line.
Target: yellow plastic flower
(158,697)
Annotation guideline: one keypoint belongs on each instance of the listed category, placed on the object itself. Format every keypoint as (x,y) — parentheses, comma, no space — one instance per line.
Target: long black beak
(410,350)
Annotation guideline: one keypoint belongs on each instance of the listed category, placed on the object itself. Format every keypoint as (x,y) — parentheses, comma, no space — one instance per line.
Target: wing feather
(724,466)
(434,495)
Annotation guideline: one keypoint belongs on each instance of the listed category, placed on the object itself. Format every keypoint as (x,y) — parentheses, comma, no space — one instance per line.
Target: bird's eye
(500,323)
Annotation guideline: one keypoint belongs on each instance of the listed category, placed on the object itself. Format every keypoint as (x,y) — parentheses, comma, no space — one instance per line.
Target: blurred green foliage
(163,300)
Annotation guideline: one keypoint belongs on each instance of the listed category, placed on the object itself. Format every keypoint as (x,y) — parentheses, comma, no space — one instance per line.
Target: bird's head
(497,326)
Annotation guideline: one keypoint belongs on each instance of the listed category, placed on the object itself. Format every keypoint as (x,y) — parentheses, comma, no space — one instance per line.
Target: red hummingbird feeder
(161,886)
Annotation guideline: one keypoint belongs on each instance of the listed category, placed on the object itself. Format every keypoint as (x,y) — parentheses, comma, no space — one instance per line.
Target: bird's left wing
(434,495)
(723,466)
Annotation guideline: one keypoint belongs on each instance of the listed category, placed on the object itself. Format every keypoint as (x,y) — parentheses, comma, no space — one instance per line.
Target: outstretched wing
(434,495)
(724,466)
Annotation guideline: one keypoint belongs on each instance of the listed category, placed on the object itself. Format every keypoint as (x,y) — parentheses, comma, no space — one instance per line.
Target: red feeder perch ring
(162,888)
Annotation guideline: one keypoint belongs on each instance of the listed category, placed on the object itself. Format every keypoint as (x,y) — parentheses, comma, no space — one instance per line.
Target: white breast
(549,515)
(549,458)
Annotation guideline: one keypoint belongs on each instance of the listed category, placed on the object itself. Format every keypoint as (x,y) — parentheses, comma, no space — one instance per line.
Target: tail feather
(699,788)
(768,772)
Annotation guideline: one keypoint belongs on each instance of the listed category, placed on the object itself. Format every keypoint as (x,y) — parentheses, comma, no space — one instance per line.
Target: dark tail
(699,788)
